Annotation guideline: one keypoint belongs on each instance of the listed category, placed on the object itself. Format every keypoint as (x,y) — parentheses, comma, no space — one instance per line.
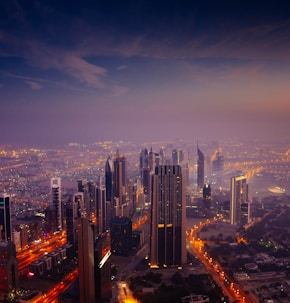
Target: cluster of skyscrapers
(98,216)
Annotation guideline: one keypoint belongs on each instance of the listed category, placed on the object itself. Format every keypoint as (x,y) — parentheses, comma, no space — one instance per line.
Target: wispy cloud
(121,67)
(34,85)
(118,90)
(69,62)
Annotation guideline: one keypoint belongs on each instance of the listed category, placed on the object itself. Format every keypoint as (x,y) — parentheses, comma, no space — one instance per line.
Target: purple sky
(143,71)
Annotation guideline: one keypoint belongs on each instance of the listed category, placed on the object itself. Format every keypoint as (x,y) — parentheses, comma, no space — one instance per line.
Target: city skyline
(143,71)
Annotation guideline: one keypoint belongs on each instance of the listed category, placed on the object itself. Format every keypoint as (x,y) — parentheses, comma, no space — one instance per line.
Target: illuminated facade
(167,243)
(56,201)
(5,218)
(200,168)
(120,201)
(239,197)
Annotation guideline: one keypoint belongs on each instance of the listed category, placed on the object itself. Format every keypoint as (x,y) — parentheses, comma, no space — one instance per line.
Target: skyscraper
(167,239)
(109,179)
(5,218)
(151,160)
(177,156)
(239,196)
(102,223)
(121,235)
(200,168)
(56,201)
(103,283)
(143,160)
(86,263)
(73,212)
(120,202)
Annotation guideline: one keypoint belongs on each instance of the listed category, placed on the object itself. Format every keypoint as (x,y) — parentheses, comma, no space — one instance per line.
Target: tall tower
(56,201)
(239,196)
(200,168)
(5,218)
(103,283)
(177,156)
(151,160)
(73,212)
(102,223)
(109,179)
(143,161)
(86,263)
(121,236)
(120,203)
(167,243)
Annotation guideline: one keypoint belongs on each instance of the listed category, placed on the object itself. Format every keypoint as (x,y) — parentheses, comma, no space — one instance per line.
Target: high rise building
(167,239)
(86,263)
(102,209)
(5,218)
(120,197)
(109,179)
(73,212)
(177,156)
(206,199)
(218,162)
(121,235)
(143,160)
(103,284)
(239,196)
(200,168)
(56,202)
(161,156)
(151,161)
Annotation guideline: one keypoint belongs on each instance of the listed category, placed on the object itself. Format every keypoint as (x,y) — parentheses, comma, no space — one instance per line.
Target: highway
(36,251)
(232,290)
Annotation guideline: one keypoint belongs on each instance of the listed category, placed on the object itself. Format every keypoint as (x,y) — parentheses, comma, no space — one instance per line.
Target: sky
(139,71)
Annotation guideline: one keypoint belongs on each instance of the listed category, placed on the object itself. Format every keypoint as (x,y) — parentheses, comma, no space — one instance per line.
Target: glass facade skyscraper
(167,238)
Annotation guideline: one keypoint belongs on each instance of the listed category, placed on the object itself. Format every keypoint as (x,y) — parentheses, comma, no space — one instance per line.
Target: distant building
(206,198)
(238,199)
(120,184)
(218,162)
(5,218)
(102,210)
(143,161)
(109,179)
(177,156)
(56,201)
(151,161)
(121,235)
(73,212)
(167,239)
(200,168)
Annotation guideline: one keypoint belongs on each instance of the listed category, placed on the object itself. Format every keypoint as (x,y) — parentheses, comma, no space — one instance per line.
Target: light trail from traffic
(232,290)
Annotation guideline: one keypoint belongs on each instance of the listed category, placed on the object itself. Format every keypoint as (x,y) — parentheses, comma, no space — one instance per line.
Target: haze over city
(143,71)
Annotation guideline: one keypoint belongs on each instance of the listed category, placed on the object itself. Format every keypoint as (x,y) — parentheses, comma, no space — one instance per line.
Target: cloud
(69,62)
(121,67)
(119,90)
(34,85)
